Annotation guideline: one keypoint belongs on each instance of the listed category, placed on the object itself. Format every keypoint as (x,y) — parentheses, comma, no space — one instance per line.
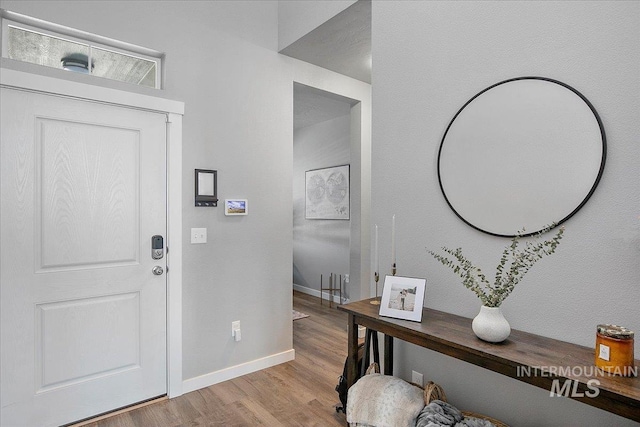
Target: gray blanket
(442,414)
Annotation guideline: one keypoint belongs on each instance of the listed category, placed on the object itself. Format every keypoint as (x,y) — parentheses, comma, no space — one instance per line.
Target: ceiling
(312,106)
(342,44)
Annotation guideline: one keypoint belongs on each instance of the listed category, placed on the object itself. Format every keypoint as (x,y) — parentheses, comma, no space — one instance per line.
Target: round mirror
(520,155)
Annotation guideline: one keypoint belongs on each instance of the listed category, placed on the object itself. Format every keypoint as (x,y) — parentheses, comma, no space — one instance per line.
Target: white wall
(221,61)
(429,59)
(319,246)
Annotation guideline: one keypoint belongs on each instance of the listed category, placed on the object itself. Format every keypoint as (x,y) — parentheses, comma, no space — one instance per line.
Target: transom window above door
(34,41)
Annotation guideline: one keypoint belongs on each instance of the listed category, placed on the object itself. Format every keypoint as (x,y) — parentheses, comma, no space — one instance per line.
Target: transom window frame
(50,29)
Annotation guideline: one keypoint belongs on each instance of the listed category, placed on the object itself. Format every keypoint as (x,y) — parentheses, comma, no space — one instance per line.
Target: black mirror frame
(589,194)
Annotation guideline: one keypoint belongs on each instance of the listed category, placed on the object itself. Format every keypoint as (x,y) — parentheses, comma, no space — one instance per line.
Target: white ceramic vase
(490,325)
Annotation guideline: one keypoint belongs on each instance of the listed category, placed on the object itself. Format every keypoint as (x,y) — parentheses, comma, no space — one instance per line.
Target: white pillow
(383,401)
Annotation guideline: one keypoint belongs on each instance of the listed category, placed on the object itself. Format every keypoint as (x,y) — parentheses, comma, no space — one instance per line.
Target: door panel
(82,169)
(61,363)
(83,189)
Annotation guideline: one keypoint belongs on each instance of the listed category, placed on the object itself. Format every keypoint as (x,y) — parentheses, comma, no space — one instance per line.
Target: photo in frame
(327,193)
(403,298)
(236,207)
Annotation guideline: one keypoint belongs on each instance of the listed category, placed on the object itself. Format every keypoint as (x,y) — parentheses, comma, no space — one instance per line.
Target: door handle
(157,270)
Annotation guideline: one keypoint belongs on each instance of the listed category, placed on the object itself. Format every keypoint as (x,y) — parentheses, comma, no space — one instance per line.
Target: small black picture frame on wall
(206,183)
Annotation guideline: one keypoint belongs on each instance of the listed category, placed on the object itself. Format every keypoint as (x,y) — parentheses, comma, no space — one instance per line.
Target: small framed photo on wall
(236,207)
(403,298)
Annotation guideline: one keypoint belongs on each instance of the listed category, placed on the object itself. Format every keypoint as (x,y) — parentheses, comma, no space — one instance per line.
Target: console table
(526,357)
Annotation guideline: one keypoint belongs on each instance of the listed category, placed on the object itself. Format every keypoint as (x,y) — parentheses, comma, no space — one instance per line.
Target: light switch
(198,235)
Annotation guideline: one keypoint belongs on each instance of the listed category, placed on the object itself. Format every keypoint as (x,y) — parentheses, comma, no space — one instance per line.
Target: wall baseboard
(316,293)
(232,372)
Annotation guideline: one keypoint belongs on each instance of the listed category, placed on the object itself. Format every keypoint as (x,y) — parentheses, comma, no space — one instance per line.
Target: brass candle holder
(376,277)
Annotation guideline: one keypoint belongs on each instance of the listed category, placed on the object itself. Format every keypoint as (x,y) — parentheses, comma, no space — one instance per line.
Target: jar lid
(615,331)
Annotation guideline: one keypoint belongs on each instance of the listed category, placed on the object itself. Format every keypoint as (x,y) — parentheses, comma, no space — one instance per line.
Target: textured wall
(429,59)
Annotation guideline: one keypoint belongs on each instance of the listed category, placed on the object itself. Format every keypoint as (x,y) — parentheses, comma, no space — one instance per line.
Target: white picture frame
(236,207)
(403,297)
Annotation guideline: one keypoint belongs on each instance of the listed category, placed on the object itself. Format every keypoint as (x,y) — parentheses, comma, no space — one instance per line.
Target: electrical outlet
(235,326)
(236,333)
(417,378)
(346,278)
(362,331)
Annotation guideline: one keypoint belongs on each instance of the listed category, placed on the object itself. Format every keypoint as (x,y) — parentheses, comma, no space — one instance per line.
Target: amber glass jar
(614,350)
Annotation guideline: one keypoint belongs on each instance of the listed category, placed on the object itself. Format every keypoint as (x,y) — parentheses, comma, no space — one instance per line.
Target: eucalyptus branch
(514,263)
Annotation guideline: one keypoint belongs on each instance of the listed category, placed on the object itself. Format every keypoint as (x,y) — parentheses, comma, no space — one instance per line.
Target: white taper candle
(393,241)
(376,260)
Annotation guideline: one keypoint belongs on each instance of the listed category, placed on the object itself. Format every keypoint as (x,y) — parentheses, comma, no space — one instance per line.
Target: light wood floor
(297,393)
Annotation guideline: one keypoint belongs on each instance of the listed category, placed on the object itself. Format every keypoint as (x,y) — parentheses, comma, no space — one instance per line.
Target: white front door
(83,190)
